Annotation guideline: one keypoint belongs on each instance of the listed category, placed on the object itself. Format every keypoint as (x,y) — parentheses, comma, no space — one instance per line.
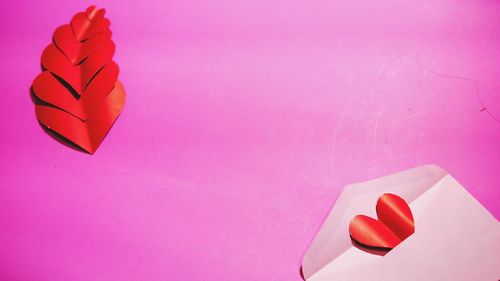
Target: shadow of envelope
(455,237)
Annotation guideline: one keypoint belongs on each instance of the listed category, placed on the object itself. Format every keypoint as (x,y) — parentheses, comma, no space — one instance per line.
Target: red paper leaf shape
(78,96)
(395,224)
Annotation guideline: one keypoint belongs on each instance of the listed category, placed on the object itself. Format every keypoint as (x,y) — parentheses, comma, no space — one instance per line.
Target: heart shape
(78,96)
(89,23)
(77,51)
(77,76)
(87,135)
(49,90)
(394,224)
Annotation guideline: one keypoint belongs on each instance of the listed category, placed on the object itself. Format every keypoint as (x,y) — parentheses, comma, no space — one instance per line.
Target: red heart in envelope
(394,224)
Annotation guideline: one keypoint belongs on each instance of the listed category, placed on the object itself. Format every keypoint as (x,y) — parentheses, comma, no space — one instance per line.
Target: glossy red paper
(78,95)
(89,134)
(394,224)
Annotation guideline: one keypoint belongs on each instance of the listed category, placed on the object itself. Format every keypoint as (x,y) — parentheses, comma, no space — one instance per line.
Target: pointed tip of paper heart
(63,140)
(82,136)
(372,250)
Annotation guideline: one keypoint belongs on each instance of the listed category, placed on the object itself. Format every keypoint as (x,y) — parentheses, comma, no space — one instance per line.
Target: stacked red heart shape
(78,96)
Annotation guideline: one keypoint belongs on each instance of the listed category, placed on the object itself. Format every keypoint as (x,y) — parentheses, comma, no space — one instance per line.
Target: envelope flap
(333,238)
(456,232)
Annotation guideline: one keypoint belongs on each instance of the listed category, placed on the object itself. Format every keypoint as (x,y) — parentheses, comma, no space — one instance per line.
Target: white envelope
(455,237)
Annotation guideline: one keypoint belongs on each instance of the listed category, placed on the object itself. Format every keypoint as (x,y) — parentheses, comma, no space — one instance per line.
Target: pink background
(244,121)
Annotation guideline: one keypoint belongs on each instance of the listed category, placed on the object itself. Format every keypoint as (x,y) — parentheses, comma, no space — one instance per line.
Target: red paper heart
(76,51)
(77,76)
(394,224)
(89,23)
(48,89)
(78,96)
(86,135)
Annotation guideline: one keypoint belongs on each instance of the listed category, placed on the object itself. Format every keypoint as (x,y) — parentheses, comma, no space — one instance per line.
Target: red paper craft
(78,96)
(394,224)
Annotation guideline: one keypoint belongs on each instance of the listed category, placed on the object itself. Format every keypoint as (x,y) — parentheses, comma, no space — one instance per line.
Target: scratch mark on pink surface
(399,120)
(364,104)
(380,70)
(391,131)
(410,116)
(336,131)
(476,85)
(376,127)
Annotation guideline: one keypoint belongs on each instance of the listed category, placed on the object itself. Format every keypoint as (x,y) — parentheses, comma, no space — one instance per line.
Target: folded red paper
(394,224)
(78,96)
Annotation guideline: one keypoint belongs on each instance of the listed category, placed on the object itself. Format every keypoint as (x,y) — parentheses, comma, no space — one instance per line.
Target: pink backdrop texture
(243,123)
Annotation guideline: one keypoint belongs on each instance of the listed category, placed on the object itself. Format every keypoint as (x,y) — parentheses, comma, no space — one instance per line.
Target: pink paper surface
(244,121)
